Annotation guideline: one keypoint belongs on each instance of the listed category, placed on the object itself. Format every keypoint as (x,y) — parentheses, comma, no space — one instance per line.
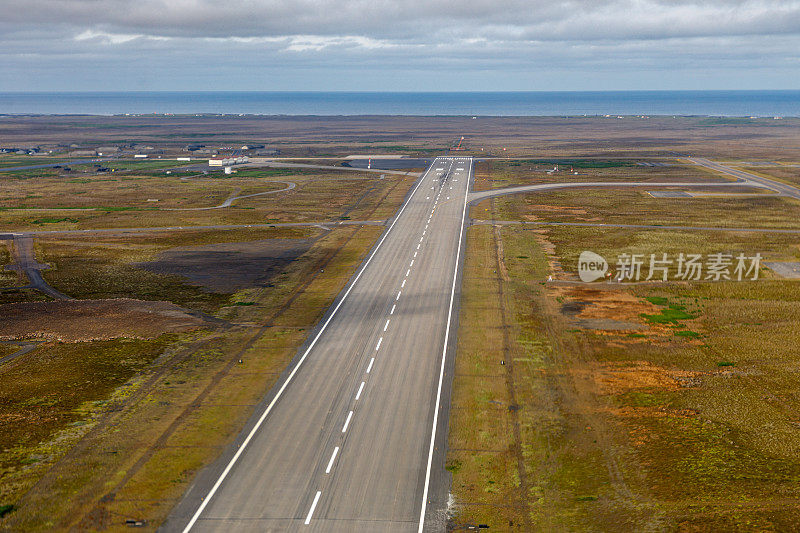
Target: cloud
(522,39)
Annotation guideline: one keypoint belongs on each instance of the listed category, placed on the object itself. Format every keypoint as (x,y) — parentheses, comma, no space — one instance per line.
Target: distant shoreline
(714,103)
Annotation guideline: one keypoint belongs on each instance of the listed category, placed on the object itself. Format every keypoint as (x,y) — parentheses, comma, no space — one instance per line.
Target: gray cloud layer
(527,40)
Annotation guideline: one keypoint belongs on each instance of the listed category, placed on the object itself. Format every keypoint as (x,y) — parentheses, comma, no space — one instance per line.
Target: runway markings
(392,311)
(398,295)
(441,371)
(387,324)
(408,272)
(313,506)
(418,246)
(212,492)
(378,346)
(333,455)
(403,284)
(361,388)
(411,264)
(347,422)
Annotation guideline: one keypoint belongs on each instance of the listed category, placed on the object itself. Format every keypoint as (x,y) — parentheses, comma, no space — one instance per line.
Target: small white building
(227,160)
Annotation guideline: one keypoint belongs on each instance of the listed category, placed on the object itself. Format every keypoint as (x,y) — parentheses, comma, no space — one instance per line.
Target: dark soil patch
(88,320)
(229,267)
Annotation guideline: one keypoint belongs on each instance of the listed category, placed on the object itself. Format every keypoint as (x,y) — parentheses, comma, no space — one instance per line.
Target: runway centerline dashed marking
(398,295)
(313,506)
(403,284)
(361,388)
(392,311)
(333,456)
(387,324)
(347,422)
(369,367)
(378,346)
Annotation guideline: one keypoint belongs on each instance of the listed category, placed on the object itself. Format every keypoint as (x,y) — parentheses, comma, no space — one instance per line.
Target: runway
(352,438)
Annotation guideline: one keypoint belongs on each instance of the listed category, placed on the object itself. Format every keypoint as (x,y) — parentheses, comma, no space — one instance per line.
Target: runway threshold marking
(291,375)
(441,370)
(313,506)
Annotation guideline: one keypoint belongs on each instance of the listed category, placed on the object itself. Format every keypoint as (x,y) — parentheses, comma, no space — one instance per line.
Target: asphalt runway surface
(352,437)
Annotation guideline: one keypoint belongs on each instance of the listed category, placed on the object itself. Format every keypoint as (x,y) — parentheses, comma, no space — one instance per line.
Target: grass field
(786,173)
(93,455)
(621,206)
(109,201)
(624,407)
(192,400)
(496,174)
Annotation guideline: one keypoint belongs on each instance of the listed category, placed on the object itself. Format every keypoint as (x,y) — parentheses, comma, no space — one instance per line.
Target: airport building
(227,160)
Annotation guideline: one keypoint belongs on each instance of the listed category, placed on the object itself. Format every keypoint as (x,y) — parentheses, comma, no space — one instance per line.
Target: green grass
(667,316)
(51,220)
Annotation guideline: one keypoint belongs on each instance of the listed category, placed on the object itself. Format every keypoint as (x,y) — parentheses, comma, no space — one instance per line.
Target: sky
(413,45)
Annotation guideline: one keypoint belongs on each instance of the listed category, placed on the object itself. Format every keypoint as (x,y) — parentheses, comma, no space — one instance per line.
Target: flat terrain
(153,308)
(610,407)
(361,399)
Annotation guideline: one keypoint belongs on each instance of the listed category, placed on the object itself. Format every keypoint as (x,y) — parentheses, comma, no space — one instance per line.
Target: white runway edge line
(263,417)
(441,371)
(313,506)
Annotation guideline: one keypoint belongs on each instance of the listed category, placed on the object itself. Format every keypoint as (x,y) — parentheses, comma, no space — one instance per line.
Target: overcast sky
(427,45)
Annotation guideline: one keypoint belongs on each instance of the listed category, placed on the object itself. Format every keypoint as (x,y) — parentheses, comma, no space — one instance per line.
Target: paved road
(782,188)
(482,195)
(743,179)
(632,226)
(156,229)
(26,264)
(52,165)
(346,443)
(23,349)
(232,198)
(278,164)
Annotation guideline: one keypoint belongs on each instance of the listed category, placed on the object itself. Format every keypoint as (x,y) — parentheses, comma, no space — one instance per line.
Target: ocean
(711,103)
